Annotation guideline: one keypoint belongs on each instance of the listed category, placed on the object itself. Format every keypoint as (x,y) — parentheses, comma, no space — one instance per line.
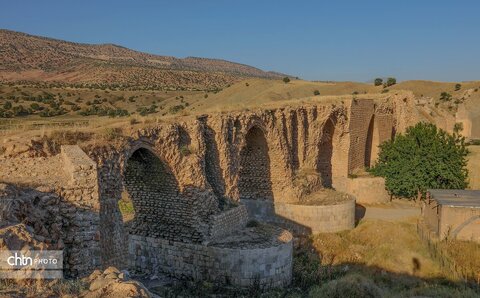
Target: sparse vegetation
(445,96)
(378,82)
(390,82)
(286,80)
(185,150)
(373,260)
(316,92)
(458,87)
(112,133)
(175,109)
(458,127)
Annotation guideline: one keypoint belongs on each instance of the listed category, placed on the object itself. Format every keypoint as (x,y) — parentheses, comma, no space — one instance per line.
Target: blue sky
(315,40)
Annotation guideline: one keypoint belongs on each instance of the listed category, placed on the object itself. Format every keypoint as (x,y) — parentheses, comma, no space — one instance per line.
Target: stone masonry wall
(204,155)
(82,238)
(268,265)
(255,180)
(228,221)
(305,218)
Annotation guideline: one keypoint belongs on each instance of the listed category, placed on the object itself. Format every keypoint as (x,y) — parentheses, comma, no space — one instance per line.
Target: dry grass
(473,170)
(34,288)
(392,246)
(466,254)
(376,259)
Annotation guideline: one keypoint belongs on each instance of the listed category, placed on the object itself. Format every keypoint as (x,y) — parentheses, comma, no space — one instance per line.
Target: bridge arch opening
(255,176)
(371,145)
(151,187)
(325,155)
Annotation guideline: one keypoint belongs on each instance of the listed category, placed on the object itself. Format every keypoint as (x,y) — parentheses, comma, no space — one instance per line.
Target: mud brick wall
(459,223)
(361,113)
(366,190)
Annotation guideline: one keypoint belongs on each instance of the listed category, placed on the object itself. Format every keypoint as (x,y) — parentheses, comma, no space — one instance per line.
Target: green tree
(391,82)
(458,87)
(378,81)
(7,105)
(286,80)
(316,92)
(425,157)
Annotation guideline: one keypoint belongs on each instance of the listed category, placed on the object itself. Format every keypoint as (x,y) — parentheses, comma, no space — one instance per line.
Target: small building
(453,213)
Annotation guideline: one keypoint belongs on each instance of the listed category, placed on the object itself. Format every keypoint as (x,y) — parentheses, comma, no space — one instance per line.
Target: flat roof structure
(453,213)
(456,197)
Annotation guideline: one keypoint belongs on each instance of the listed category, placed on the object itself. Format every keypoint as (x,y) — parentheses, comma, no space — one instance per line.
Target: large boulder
(113,283)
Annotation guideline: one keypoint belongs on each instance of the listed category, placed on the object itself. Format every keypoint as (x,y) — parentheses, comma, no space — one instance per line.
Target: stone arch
(371,143)
(255,175)
(154,191)
(326,151)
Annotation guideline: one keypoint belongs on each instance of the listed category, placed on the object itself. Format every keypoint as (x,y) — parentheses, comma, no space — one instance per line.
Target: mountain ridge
(37,58)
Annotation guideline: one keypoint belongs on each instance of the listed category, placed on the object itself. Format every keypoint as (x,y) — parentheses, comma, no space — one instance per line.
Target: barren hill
(34,58)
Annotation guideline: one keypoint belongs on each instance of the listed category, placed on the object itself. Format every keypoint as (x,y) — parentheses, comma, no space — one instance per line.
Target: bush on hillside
(444,96)
(378,82)
(390,82)
(425,157)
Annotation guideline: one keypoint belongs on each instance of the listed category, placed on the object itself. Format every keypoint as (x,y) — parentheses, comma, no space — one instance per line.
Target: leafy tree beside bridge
(425,157)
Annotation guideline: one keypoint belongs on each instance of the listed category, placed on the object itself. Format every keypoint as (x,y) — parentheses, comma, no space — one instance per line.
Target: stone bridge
(186,180)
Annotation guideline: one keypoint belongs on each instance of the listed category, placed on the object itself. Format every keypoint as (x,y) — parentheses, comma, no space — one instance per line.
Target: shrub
(7,105)
(35,106)
(378,82)
(185,150)
(391,82)
(316,92)
(425,157)
(458,127)
(353,285)
(445,96)
(458,87)
(69,137)
(112,133)
(286,80)
(175,109)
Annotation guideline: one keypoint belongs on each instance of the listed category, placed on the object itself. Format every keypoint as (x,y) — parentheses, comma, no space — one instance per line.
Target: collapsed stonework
(197,181)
